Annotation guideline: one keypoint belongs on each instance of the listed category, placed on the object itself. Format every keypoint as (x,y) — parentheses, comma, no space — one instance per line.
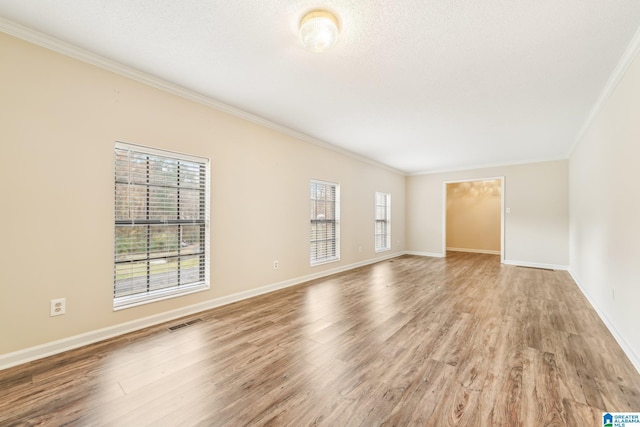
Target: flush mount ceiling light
(319,30)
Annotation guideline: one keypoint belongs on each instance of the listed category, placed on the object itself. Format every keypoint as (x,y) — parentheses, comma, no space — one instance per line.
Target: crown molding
(67,49)
(487,166)
(625,62)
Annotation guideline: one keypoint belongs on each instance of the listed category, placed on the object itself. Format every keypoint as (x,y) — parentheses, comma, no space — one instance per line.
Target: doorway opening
(473,216)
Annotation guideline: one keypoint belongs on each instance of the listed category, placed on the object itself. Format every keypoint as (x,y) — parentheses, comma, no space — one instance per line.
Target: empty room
(319,213)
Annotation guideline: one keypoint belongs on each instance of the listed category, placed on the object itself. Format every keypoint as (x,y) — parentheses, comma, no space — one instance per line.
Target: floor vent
(537,268)
(184,325)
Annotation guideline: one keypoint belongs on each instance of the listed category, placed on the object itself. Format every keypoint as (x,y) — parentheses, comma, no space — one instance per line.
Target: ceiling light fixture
(319,30)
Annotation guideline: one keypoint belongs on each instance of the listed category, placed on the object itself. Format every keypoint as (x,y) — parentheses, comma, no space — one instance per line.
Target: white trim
(474,251)
(486,166)
(427,254)
(382,250)
(67,49)
(145,149)
(503,222)
(324,261)
(624,63)
(536,265)
(132,301)
(628,350)
(9,360)
(444,218)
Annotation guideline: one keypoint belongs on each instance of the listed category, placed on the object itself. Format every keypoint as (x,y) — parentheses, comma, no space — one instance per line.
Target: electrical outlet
(275,265)
(58,307)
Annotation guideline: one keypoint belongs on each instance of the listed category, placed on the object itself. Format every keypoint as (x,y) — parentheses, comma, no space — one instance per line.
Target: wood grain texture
(411,341)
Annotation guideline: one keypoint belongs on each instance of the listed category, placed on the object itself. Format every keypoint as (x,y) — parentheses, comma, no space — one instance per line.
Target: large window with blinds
(325,222)
(383,222)
(161,225)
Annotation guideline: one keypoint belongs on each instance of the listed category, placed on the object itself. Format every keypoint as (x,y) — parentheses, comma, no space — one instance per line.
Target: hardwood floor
(411,341)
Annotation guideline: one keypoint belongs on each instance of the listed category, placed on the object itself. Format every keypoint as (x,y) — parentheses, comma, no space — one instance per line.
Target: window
(383,222)
(325,222)
(161,225)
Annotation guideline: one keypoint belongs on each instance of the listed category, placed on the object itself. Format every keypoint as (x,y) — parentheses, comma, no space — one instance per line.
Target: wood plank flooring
(411,341)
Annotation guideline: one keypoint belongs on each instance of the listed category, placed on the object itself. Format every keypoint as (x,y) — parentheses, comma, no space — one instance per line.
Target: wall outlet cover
(58,307)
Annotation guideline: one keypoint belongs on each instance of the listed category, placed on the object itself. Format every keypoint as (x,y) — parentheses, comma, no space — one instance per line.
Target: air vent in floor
(183,325)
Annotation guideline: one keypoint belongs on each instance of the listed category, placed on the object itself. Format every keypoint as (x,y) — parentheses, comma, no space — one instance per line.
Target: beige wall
(536,230)
(473,216)
(59,119)
(605,212)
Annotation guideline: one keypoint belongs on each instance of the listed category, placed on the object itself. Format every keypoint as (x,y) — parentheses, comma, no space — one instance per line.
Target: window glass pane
(191,207)
(191,242)
(321,210)
(190,175)
(122,202)
(191,270)
(163,273)
(138,173)
(131,243)
(163,171)
(163,241)
(131,278)
(137,202)
(330,210)
(163,203)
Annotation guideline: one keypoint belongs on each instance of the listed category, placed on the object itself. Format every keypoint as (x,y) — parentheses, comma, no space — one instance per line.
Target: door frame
(444,210)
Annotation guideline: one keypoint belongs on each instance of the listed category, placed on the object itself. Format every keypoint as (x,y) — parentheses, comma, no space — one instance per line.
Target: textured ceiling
(417,85)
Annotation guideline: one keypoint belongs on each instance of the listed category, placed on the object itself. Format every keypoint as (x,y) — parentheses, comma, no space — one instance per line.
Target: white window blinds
(325,222)
(161,224)
(383,222)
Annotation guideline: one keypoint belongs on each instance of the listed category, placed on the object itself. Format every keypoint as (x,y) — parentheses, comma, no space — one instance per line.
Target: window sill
(324,261)
(123,303)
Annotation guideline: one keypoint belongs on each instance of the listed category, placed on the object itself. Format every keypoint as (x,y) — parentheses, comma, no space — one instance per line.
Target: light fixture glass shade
(319,30)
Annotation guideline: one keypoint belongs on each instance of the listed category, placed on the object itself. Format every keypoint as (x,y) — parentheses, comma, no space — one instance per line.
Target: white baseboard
(628,350)
(429,254)
(474,251)
(536,265)
(19,357)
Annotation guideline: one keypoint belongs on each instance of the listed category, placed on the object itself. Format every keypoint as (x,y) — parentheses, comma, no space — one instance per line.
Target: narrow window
(325,222)
(161,225)
(383,222)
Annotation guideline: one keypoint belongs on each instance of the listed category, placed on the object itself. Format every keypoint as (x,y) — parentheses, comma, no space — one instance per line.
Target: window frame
(200,225)
(386,221)
(335,221)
